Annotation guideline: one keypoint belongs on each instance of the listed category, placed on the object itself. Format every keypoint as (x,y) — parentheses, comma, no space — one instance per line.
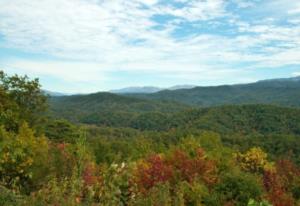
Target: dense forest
(284,92)
(219,146)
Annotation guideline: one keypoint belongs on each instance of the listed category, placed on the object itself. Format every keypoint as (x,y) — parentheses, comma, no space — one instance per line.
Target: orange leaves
(190,168)
(275,190)
(288,172)
(90,175)
(179,166)
(278,182)
(152,171)
(278,179)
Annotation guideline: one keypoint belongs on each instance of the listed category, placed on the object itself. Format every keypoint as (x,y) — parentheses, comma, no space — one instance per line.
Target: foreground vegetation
(232,155)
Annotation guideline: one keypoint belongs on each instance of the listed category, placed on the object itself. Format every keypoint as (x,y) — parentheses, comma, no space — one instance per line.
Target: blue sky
(97,45)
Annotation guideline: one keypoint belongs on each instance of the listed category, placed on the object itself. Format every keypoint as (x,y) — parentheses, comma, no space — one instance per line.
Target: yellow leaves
(254,160)
(18,153)
(270,167)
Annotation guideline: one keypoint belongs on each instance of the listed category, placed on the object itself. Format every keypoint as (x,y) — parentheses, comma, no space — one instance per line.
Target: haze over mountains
(105,107)
(149,89)
(277,91)
(153,89)
(284,92)
(54,94)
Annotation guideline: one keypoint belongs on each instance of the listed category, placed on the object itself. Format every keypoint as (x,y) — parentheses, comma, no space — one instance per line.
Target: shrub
(23,159)
(238,189)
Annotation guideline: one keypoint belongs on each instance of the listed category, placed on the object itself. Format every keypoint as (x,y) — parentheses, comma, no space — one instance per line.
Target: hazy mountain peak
(149,89)
(184,86)
(288,79)
(145,89)
(54,94)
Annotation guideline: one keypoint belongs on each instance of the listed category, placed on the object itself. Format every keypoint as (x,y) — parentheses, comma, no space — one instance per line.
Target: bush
(23,159)
(238,188)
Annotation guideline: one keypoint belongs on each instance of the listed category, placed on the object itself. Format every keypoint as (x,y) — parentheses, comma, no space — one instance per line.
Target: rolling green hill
(245,112)
(107,108)
(284,92)
(242,119)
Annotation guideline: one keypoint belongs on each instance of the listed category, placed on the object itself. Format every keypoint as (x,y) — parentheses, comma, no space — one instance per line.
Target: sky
(81,46)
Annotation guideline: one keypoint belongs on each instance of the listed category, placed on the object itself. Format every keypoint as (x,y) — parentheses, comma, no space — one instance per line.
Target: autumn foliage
(45,161)
(278,183)
(176,167)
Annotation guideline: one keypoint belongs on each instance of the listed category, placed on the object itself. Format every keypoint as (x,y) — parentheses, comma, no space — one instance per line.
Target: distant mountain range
(291,79)
(284,92)
(148,89)
(110,109)
(54,94)
(128,90)
(141,90)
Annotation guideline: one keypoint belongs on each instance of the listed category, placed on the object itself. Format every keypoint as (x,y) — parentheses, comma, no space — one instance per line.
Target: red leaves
(183,164)
(271,181)
(275,189)
(61,146)
(179,166)
(279,181)
(288,172)
(190,168)
(153,171)
(63,149)
(89,175)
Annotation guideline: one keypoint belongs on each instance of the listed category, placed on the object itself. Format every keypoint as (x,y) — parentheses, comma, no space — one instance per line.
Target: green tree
(61,131)
(238,189)
(21,100)
(23,158)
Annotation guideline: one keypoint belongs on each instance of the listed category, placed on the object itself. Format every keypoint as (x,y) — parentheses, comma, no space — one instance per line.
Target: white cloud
(296,74)
(68,71)
(93,37)
(197,10)
(244,3)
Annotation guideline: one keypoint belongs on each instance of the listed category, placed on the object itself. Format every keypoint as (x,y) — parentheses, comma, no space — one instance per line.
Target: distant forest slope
(106,107)
(242,119)
(249,108)
(238,119)
(284,92)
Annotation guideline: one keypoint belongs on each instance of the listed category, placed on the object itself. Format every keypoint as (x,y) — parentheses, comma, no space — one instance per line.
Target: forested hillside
(105,149)
(284,92)
(106,107)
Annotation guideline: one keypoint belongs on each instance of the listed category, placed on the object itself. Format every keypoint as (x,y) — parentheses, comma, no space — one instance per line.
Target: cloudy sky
(96,45)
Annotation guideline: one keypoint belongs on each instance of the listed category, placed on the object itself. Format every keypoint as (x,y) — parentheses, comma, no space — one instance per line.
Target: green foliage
(23,158)
(61,131)
(238,189)
(158,195)
(131,151)
(21,100)
(279,92)
(245,119)
(9,198)
(107,109)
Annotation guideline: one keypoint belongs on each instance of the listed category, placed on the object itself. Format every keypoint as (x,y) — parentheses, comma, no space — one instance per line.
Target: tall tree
(21,99)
